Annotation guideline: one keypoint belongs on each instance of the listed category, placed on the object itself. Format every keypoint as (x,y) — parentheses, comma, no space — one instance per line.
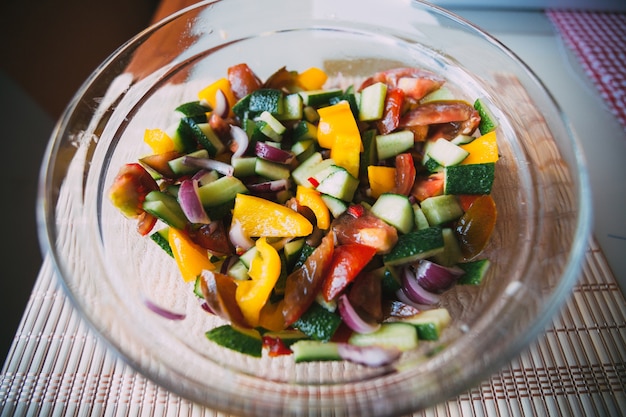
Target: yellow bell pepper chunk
(311,198)
(382,179)
(482,150)
(312,79)
(252,295)
(208,93)
(346,153)
(159,141)
(259,217)
(191,258)
(336,120)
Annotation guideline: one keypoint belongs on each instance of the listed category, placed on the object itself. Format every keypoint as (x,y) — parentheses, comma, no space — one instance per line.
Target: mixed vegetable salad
(320,222)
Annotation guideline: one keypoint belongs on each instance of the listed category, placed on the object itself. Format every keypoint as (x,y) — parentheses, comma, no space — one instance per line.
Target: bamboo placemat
(58,366)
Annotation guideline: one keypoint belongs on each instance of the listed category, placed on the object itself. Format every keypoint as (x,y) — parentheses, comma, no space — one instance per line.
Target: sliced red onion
(272,154)
(238,238)
(401,296)
(353,319)
(163,312)
(269,186)
(240,140)
(206,307)
(368,355)
(206,163)
(415,291)
(190,202)
(436,278)
(221,104)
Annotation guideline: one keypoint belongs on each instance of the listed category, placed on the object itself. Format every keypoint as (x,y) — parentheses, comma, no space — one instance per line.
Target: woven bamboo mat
(57,366)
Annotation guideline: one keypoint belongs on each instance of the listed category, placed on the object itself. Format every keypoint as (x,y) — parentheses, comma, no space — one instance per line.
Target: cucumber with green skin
(247,342)
(416,245)
(315,351)
(396,210)
(166,208)
(402,336)
(318,323)
(475,271)
(429,323)
(469,179)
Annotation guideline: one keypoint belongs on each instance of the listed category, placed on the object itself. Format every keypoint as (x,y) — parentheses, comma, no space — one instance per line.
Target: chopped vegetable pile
(320,222)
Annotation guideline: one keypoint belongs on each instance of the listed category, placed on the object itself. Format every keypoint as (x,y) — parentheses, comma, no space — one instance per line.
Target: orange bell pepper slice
(312,199)
(191,258)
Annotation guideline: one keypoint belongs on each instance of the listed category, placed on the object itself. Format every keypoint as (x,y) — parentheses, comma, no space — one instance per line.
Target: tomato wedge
(405,174)
(391,111)
(242,80)
(348,260)
(474,228)
(304,283)
(128,192)
(428,187)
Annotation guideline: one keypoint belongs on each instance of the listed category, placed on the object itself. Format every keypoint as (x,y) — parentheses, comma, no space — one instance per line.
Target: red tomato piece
(428,187)
(304,283)
(365,295)
(145,223)
(391,111)
(243,80)
(348,260)
(275,346)
(474,228)
(129,189)
(466,200)
(405,174)
(214,238)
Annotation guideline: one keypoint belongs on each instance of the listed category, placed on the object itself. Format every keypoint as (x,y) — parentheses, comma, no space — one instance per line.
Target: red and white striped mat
(598,39)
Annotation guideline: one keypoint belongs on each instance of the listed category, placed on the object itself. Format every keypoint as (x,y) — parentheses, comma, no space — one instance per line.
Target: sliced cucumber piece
(441,209)
(265,100)
(271,170)
(415,245)
(396,210)
(315,351)
(179,168)
(306,170)
(488,121)
(246,341)
(238,271)
(160,238)
(317,98)
(243,165)
(402,336)
(392,144)
(318,323)
(420,219)
(304,130)
(165,207)
(372,102)
(335,205)
(475,271)
(196,110)
(339,184)
(469,179)
(430,323)
(271,126)
(451,253)
(446,153)
(292,107)
(221,191)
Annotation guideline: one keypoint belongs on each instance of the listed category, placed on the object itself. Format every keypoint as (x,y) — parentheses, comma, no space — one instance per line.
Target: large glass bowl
(108,270)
